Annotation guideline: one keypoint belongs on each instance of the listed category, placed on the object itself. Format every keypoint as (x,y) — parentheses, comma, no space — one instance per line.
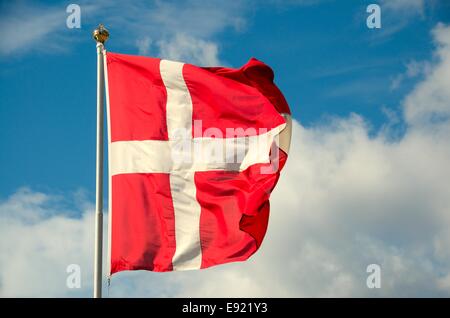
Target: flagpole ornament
(100,34)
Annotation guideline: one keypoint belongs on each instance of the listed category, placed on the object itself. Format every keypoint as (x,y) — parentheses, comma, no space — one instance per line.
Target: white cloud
(24,28)
(40,237)
(396,15)
(181,31)
(30,27)
(144,45)
(429,101)
(413,70)
(189,26)
(183,47)
(345,200)
(198,18)
(408,7)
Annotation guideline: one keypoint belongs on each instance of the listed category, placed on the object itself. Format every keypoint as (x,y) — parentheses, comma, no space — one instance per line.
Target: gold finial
(100,34)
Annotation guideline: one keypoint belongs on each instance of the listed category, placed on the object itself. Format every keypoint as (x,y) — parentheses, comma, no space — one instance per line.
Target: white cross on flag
(194,154)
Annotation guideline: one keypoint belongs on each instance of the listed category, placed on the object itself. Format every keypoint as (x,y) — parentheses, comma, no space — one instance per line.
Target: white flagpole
(100,36)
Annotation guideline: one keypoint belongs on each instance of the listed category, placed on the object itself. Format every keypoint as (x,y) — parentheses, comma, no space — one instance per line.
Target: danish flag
(194,154)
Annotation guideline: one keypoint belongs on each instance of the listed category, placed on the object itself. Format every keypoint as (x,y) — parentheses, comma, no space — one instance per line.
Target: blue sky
(368,161)
(327,62)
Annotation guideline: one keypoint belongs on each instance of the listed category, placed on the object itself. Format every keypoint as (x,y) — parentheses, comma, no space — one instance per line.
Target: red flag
(193,157)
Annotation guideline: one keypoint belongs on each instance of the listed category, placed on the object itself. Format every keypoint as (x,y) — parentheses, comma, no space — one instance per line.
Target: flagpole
(100,35)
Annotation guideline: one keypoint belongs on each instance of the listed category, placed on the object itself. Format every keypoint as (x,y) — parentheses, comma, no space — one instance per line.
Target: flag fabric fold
(193,158)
